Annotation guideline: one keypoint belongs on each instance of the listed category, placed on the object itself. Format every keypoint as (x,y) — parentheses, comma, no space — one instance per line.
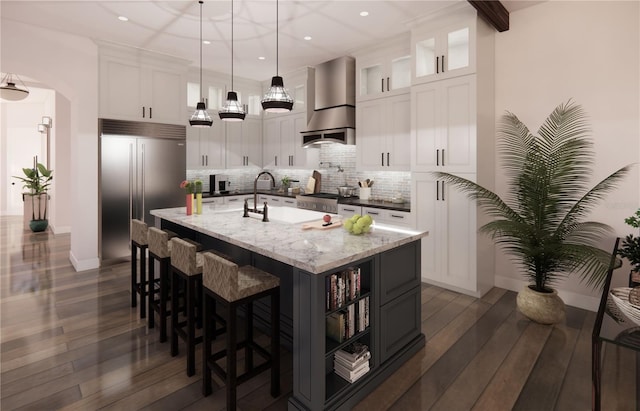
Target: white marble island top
(312,250)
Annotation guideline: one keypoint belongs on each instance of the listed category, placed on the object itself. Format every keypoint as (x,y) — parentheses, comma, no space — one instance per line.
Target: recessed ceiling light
(261,58)
(123,18)
(206,42)
(307,38)
(364,13)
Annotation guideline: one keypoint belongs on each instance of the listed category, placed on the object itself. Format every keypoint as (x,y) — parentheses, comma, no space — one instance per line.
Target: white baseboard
(585,302)
(61,230)
(82,265)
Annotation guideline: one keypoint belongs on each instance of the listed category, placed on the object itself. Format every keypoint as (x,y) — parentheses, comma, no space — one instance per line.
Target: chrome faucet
(255,188)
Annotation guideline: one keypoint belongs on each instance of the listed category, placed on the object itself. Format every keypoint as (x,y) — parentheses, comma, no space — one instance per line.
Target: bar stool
(224,282)
(160,250)
(139,242)
(186,264)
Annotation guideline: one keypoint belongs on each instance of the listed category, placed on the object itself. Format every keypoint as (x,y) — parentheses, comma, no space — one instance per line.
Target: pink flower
(188,186)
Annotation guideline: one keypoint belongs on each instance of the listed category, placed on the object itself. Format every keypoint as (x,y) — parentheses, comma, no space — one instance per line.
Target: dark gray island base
(389,280)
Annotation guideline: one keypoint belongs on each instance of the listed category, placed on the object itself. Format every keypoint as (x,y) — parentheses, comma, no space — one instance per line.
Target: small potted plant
(198,188)
(188,188)
(37,181)
(630,249)
(286,182)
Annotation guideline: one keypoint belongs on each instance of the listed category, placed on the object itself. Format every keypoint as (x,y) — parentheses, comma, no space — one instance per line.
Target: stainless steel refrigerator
(141,167)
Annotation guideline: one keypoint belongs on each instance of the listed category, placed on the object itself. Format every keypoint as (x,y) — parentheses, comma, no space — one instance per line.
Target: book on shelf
(336,326)
(342,288)
(352,376)
(349,365)
(354,351)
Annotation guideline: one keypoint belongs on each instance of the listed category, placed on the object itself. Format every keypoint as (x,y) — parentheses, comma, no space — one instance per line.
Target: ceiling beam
(493,12)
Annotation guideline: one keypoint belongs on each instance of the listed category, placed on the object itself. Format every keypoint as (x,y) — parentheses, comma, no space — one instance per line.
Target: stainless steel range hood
(334,115)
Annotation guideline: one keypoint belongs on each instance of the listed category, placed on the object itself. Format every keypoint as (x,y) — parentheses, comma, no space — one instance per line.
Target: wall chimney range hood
(334,116)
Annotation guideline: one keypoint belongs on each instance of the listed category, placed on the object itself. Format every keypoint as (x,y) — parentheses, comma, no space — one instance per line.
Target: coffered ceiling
(335,27)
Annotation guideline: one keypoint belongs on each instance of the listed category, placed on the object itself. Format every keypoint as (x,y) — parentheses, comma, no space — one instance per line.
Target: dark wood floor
(70,340)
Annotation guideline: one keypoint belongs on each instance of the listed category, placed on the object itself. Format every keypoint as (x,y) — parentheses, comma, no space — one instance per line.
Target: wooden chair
(139,286)
(232,286)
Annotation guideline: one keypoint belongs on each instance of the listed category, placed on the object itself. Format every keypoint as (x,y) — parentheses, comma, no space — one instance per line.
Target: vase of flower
(198,186)
(188,186)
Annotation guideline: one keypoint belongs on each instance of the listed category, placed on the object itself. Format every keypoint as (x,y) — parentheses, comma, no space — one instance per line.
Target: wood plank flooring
(70,340)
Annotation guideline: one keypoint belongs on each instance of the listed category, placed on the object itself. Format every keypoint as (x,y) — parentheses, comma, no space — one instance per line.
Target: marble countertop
(313,250)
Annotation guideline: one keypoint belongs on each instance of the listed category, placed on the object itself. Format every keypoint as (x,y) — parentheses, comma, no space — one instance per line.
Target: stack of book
(342,287)
(352,362)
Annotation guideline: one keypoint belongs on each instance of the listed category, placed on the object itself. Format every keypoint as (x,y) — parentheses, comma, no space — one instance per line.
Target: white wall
(69,65)
(589,52)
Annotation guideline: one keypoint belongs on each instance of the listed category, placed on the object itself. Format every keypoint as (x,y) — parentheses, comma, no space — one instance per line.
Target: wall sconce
(44,127)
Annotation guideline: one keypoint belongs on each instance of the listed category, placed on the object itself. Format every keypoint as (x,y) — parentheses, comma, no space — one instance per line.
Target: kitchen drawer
(399,323)
(213,200)
(404,263)
(347,211)
(239,199)
(277,201)
(389,217)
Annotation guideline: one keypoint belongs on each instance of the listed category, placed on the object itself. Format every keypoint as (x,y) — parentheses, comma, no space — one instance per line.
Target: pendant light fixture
(232,109)
(9,90)
(200,117)
(277,99)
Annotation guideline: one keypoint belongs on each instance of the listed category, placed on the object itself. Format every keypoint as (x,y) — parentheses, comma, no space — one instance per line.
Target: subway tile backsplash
(337,166)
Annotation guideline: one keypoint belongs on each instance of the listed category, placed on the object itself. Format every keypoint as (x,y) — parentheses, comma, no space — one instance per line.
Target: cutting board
(311,185)
(318,178)
(318,225)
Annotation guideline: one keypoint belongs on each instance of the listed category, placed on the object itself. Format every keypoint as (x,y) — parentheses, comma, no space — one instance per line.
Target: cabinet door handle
(382,159)
(437,190)
(276,157)
(437,64)
(150,112)
(351,210)
(232,199)
(443,157)
(275,200)
(373,212)
(202,160)
(443,191)
(397,216)
(207,158)
(143,112)
(437,157)
(443,63)
(382,85)
(387,159)
(388,83)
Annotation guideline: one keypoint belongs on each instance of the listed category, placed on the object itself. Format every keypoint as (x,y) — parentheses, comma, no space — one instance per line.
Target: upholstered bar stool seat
(231,286)
(158,293)
(139,241)
(186,264)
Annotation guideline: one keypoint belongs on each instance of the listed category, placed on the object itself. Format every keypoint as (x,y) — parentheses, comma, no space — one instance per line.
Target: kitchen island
(388,263)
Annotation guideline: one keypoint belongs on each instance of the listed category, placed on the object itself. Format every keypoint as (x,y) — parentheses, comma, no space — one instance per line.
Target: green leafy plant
(630,248)
(37,180)
(286,181)
(540,220)
(198,186)
(188,186)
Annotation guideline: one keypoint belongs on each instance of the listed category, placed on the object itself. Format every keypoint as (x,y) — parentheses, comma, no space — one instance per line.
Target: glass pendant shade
(232,109)
(277,99)
(200,117)
(9,90)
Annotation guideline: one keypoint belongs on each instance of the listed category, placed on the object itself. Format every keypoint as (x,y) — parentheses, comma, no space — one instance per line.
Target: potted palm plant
(37,181)
(540,221)
(630,249)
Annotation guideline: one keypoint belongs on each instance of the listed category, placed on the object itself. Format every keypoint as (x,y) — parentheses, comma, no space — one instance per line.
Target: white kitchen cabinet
(244,143)
(141,86)
(444,132)
(449,251)
(348,210)
(447,46)
(384,128)
(206,147)
(283,143)
(238,199)
(213,200)
(384,69)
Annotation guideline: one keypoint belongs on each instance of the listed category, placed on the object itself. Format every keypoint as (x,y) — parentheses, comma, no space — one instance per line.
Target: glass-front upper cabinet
(384,70)
(444,51)
(213,96)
